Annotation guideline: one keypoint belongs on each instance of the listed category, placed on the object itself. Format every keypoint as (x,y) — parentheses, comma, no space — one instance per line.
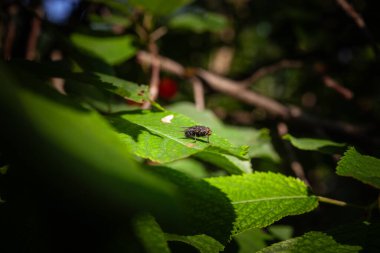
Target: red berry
(167,88)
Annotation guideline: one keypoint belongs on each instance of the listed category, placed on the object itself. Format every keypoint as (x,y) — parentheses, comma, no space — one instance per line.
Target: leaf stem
(339,202)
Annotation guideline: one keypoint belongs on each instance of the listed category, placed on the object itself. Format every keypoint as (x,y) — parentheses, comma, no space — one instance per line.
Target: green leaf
(229,163)
(361,167)
(259,199)
(121,87)
(281,232)
(146,133)
(252,240)
(259,142)
(204,243)
(158,7)
(113,50)
(63,143)
(314,144)
(150,234)
(199,22)
(190,167)
(311,242)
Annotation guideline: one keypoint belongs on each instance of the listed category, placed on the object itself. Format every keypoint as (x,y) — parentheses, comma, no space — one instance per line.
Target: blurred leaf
(113,50)
(198,22)
(252,240)
(361,167)
(118,86)
(63,143)
(189,166)
(149,137)
(121,87)
(259,199)
(314,144)
(366,235)
(229,163)
(258,140)
(4,170)
(204,243)
(281,232)
(86,60)
(150,234)
(311,242)
(157,7)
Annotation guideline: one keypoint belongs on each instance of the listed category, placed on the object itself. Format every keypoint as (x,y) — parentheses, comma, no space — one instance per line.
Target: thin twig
(359,21)
(339,203)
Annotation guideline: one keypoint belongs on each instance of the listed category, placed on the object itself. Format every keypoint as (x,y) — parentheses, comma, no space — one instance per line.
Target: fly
(198,131)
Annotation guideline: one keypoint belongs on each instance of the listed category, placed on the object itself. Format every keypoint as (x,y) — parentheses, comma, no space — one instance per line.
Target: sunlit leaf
(259,199)
(149,137)
(259,141)
(361,167)
(314,144)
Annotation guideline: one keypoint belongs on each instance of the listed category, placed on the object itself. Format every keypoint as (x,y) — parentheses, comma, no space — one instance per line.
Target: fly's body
(198,131)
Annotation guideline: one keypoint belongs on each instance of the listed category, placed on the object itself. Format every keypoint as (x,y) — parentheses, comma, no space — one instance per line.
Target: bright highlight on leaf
(361,167)
(259,199)
(310,242)
(167,119)
(314,144)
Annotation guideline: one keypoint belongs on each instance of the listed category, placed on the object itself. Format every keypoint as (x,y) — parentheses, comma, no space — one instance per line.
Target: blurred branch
(236,90)
(11,32)
(198,93)
(31,50)
(333,84)
(349,9)
(271,69)
(359,21)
